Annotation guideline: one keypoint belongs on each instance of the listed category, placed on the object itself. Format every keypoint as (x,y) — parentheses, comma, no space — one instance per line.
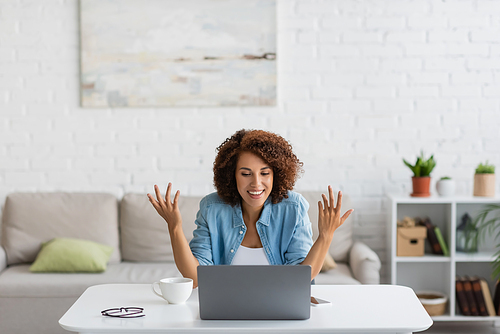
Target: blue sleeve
(201,244)
(301,241)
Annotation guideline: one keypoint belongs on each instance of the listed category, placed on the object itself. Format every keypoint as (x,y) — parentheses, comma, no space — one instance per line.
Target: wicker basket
(434,302)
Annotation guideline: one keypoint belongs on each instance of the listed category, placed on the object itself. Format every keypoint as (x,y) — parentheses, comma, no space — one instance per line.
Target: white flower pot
(445,188)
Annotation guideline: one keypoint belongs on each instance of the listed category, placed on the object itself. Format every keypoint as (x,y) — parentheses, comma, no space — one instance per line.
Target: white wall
(362,84)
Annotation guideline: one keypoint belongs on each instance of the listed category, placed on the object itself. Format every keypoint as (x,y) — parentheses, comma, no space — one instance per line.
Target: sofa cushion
(30,219)
(68,255)
(328,264)
(43,318)
(340,275)
(144,233)
(342,238)
(365,264)
(18,281)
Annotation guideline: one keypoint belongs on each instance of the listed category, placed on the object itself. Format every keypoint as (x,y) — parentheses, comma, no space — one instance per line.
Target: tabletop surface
(368,308)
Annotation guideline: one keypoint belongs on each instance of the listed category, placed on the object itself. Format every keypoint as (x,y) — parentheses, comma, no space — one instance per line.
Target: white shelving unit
(437,272)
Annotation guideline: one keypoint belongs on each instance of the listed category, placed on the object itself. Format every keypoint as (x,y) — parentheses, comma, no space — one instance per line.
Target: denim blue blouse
(284,230)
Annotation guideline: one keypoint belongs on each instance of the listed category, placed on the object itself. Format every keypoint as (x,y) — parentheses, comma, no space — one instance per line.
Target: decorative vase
(467,235)
(445,188)
(421,186)
(484,185)
(467,241)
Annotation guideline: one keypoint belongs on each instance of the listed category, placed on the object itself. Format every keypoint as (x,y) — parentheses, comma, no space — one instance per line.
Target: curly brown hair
(271,148)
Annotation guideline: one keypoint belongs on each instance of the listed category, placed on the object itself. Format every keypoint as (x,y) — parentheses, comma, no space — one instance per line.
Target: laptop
(254,292)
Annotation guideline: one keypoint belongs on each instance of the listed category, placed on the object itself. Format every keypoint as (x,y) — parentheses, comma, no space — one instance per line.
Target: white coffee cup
(175,290)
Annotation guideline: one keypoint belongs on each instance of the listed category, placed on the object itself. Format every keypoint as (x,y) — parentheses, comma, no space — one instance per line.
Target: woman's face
(254,179)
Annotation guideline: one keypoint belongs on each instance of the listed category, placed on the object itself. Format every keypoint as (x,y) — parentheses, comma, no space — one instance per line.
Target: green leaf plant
(485,169)
(422,166)
(488,223)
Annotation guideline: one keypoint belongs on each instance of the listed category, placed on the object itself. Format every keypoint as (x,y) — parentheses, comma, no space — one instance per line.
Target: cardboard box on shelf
(410,241)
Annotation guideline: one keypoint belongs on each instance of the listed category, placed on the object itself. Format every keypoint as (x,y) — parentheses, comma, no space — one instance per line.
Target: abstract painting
(170,53)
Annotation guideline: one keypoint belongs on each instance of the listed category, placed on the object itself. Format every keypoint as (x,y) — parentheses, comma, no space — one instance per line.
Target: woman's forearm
(185,261)
(317,254)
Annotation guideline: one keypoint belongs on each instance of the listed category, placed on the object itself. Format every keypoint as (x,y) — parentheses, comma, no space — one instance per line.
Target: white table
(354,309)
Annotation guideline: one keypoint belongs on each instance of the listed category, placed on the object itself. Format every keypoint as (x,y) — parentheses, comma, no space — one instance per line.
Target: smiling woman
(254,217)
(274,150)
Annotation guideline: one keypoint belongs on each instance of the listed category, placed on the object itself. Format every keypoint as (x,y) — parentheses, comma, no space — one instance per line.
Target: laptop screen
(254,292)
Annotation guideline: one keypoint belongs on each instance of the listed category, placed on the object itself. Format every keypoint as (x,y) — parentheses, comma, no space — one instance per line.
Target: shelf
(425,258)
(474,257)
(407,199)
(438,272)
(472,199)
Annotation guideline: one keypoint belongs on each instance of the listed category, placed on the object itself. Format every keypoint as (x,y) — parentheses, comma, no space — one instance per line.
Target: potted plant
(445,186)
(484,180)
(421,179)
(488,223)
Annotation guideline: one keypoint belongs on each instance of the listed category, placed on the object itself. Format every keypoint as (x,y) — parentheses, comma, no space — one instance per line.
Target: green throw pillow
(66,255)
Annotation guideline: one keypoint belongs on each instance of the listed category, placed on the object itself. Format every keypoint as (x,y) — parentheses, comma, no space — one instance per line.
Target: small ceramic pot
(484,185)
(421,186)
(445,188)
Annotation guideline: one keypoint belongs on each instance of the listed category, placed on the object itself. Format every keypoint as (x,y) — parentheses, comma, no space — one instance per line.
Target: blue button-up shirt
(284,230)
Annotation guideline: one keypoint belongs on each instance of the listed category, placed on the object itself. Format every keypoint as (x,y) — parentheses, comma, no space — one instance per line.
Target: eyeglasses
(124,312)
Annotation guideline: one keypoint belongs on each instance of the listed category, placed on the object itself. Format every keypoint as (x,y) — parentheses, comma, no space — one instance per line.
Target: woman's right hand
(167,209)
(184,259)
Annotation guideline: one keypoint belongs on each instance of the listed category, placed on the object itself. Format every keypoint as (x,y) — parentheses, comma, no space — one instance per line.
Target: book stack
(435,237)
(474,297)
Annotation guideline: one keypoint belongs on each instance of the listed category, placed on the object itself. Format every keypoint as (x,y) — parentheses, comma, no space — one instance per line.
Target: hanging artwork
(170,53)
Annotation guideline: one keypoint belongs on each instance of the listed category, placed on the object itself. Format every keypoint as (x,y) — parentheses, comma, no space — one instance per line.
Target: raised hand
(167,209)
(329,218)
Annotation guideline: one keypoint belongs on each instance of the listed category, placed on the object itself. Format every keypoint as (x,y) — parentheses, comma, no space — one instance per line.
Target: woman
(254,217)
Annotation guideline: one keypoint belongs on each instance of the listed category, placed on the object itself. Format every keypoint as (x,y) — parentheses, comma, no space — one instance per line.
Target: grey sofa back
(145,238)
(137,233)
(144,234)
(29,219)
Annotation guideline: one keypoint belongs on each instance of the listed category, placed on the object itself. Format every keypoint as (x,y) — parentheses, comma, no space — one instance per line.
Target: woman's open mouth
(256,194)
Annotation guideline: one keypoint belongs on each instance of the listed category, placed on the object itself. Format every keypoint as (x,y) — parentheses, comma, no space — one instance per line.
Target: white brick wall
(362,84)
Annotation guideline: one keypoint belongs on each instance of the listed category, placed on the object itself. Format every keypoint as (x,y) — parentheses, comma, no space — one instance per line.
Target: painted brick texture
(362,84)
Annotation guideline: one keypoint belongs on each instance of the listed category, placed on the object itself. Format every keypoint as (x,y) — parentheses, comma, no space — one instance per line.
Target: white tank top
(250,256)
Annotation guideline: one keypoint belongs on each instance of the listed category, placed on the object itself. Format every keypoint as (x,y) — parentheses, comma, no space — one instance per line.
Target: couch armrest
(3,259)
(365,264)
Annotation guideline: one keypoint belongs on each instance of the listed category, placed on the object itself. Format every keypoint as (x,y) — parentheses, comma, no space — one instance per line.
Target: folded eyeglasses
(124,312)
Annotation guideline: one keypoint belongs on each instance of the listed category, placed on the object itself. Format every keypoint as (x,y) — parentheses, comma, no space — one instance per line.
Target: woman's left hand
(329,218)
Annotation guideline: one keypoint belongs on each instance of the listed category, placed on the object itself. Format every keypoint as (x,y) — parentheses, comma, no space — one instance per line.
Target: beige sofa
(34,302)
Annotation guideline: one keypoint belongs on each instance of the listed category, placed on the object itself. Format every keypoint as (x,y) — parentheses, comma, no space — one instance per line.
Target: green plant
(488,223)
(446,178)
(422,166)
(485,169)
